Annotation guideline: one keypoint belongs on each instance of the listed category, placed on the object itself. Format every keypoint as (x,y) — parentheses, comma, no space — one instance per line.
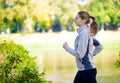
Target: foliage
(117,64)
(16,66)
(13,12)
(36,10)
(2,26)
(44,12)
(106,11)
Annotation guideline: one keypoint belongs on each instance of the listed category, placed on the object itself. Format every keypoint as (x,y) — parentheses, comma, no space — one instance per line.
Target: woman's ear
(83,21)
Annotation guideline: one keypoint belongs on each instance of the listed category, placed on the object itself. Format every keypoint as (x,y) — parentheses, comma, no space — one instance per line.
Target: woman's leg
(78,78)
(86,76)
(94,73)
(90,76)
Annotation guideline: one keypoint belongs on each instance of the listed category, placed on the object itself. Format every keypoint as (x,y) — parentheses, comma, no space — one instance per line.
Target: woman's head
(83,18)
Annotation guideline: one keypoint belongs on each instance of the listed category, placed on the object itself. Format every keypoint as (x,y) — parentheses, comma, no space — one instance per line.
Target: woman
(83,50)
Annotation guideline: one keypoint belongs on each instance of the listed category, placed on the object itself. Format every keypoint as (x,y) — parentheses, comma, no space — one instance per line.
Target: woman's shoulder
(84,32)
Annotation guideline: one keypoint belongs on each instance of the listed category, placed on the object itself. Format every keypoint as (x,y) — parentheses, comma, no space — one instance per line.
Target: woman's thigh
(87,76)
(78,78)
(90,76)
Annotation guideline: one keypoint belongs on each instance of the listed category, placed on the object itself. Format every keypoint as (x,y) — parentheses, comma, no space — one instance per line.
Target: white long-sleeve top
(83,49)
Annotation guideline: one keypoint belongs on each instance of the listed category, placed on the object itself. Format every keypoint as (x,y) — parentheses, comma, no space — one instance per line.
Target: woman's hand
(65,45)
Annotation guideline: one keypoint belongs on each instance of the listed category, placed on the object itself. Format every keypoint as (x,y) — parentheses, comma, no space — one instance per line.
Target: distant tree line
(42,15)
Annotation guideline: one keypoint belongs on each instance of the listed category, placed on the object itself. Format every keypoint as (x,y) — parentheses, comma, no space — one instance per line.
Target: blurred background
(42,26)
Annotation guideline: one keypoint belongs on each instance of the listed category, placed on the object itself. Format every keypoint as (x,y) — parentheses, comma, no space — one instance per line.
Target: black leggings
(86,76)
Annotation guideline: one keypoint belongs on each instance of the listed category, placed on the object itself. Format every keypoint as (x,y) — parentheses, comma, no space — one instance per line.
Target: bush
(118,64)
(16,66)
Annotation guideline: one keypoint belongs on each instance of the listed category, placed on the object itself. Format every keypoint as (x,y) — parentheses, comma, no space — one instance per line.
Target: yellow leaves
(9,14)
(46,18)
(6,13)
(2,15)
(42,17)
(64,19)
(40,11)
(19,12)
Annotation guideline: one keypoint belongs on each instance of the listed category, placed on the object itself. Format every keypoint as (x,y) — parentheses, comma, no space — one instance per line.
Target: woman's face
(78,21)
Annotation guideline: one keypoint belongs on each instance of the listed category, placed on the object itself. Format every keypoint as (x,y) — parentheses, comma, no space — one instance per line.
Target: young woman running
(83,48)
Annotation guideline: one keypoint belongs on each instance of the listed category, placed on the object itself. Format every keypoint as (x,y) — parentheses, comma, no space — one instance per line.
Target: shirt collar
(81,28)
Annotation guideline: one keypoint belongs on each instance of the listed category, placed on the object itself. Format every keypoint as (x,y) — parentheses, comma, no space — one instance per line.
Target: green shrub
(2,26)
(118,64)
(16,66)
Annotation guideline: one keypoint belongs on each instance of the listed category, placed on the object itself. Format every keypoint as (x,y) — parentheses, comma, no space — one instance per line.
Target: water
(60,66)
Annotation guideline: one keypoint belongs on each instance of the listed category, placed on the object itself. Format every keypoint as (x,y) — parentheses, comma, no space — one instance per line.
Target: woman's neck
(81,25)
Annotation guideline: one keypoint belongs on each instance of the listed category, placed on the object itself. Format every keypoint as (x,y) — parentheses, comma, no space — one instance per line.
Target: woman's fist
(65,45)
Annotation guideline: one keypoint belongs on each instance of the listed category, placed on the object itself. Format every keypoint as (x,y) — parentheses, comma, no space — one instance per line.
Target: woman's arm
(71,51)
(98,47)
(81,46)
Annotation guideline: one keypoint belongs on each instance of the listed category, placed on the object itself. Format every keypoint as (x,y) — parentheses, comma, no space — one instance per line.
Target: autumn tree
(13,12)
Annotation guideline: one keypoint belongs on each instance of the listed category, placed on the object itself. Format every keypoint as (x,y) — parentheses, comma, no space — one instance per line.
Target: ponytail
(93,26)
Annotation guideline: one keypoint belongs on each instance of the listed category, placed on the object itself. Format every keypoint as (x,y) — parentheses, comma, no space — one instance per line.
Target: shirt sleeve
(81,47)
(98,47)
(72,51)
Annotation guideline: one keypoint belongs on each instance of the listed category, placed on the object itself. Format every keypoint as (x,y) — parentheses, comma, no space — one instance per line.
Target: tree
(16,12)
(64,10)
(13,12)
(46,12)
(106,11)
